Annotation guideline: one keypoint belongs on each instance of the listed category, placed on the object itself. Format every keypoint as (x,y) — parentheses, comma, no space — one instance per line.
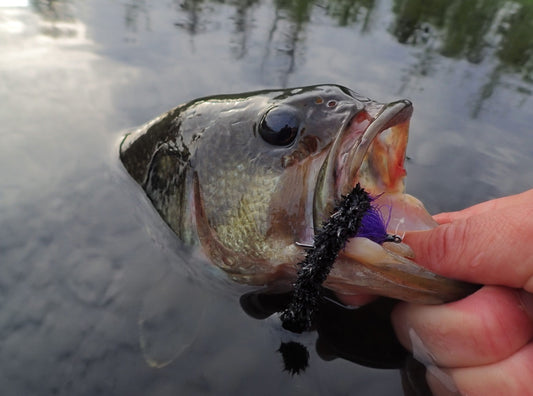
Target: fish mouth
(378,153)
(371,151)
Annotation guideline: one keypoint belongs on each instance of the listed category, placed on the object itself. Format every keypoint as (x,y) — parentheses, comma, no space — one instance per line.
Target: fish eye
(279,126)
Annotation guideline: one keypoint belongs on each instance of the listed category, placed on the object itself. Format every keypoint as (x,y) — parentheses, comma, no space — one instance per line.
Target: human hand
(482,344)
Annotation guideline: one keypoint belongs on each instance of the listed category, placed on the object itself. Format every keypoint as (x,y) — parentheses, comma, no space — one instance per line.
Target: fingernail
(527,302)
(420,351)
(440,382)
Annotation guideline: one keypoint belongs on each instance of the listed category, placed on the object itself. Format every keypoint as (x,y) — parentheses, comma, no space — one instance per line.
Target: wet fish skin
(214,143)
(220,178)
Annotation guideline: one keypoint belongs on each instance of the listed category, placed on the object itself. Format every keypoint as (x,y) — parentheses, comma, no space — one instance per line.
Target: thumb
(491,247)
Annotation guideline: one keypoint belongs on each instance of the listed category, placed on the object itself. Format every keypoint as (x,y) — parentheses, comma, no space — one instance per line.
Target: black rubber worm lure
(353,216)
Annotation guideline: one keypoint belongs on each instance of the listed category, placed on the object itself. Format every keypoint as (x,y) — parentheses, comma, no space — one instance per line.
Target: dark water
(95,295)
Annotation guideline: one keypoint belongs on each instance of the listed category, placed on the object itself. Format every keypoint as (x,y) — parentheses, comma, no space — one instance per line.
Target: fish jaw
(371,152)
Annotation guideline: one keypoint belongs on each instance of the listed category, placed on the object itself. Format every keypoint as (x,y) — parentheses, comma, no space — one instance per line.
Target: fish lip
(339,173)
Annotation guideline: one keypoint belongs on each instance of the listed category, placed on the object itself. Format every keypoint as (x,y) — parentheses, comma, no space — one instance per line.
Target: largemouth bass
(250,178)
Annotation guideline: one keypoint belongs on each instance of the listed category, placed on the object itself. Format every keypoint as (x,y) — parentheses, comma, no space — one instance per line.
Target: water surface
(96,295)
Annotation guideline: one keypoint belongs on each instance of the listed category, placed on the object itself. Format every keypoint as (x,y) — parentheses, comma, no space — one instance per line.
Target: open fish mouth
(371,151)
(378,153)
(377,163)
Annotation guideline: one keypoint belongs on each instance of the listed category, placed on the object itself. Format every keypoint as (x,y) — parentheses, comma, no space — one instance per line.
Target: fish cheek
(291,207)
(287,211)
(251,263)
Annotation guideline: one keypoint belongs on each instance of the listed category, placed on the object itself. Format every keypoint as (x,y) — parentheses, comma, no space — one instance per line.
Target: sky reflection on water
(86,261)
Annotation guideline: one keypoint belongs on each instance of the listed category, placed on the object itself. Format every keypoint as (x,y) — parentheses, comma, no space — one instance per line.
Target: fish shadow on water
(361,335)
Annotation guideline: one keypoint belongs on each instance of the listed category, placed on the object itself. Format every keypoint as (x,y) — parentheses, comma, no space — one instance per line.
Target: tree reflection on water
(496,32)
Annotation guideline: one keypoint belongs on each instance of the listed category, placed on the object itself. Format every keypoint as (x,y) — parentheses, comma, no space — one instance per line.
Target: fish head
(361,141)
(253,177)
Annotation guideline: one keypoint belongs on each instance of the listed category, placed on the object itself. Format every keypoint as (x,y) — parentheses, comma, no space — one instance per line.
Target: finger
(489,248)
(525,198)
(486,327)
(356,300)
(511,376)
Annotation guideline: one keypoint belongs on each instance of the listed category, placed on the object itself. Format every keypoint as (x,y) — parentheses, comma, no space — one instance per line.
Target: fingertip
(491,248)
(401,323)
(462,249)
(440,381)
(407,325)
